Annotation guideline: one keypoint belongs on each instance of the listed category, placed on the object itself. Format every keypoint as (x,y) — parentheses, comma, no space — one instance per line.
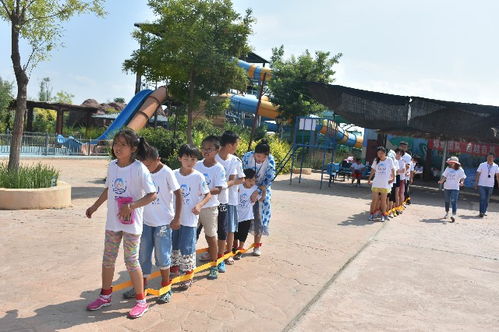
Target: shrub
(278,148)
(28,177)
(44,120)
(166,143)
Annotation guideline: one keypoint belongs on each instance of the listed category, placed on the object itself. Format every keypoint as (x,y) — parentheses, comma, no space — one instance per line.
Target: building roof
(410,116)
(254,58)
(56,106)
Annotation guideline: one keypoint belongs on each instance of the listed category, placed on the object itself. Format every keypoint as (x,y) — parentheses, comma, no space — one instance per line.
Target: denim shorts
(184,239)
(158,239)
(232,222)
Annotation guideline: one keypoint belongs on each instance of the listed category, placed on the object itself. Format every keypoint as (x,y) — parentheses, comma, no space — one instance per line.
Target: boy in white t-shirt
(234,171)
(245,212)
(195,195)
(214,174)
(357,168)
(159,219)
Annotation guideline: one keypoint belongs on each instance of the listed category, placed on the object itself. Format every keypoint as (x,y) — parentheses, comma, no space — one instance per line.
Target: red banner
(463,147)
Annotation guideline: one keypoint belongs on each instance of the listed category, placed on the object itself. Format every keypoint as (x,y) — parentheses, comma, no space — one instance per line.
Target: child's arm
(197,209)
(392,177)
(216,190)
(373,170)
(442,180)
(126,209)
(175,224)
(102,198)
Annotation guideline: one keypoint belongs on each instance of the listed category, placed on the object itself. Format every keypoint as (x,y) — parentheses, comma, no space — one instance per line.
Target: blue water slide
(125,115)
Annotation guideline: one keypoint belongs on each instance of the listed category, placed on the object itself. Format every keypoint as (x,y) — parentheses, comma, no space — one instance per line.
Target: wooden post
(59,121)
(29,122)
(444,159)
(253,128)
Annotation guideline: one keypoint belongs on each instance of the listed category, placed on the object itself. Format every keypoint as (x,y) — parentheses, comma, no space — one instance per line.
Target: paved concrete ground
(417,273)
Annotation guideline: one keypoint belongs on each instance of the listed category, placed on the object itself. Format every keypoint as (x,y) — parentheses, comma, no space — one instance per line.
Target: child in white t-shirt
(195,195)
(214,174)
(384,174)
(245,212)
(357,168)
(160,217)
(129,187)
(452,178)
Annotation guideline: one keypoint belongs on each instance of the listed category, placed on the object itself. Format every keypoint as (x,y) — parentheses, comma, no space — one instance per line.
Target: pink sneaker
(138,310)
(99,303)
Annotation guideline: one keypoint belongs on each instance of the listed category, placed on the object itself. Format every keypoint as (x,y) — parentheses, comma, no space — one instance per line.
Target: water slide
(249,103)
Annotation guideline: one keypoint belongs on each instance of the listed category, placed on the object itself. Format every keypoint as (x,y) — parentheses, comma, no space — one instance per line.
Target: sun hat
(453,160)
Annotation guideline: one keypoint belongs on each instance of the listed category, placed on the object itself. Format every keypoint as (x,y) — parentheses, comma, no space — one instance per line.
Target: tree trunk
(22,92)
(190,110)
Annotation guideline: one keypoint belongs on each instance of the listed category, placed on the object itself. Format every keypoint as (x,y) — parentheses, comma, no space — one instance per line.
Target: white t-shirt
(193,188)
(230,167)
(401,165)
(357,167)
(233,191)
(452,178)
(215,177)
(133,181)
(383,173)
(486,169)
(245,206)
(408,159)
(161,212)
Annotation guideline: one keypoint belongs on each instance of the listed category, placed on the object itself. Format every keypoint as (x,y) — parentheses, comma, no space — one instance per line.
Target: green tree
(287,77)
(39,23)
(5,99)
(45,93)
(63,97)
(192,46)
(120,100)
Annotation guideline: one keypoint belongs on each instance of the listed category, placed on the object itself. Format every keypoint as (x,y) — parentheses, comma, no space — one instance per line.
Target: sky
(436,49)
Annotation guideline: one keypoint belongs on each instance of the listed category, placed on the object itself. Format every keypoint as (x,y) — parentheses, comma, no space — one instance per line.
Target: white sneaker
(257,252)
(446,215)
(229,261)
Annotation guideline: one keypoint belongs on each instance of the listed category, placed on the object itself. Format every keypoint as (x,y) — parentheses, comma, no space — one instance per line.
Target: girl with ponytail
(129,187)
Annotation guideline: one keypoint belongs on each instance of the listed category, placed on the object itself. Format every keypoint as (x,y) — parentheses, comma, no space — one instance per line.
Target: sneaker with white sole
(257,252)
(229,261)
(139,309)
(205,257)
(371,217)
(165,298)
(100,302)
(129,294)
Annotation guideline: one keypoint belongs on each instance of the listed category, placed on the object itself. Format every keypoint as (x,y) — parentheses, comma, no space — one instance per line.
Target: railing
(39,144)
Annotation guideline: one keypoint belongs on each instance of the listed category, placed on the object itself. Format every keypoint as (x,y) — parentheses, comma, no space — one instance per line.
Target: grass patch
(28,177)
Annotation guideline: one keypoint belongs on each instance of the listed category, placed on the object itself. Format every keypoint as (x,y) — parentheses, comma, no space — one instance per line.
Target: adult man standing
(407,159)
(484,181)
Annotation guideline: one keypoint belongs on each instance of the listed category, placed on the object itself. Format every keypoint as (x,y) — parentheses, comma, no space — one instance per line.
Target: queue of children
(155,209)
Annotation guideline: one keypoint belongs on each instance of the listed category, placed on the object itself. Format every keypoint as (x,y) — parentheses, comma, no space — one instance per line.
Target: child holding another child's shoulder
(195,195)
(245,212)
(160,218)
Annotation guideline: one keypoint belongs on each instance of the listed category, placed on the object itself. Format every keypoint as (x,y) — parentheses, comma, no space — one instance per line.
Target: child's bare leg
(383,203)
(107,277)
(230,241)
(258,238)
(212,247)
(221,247)
(137,281)
(374,202)
(165,276)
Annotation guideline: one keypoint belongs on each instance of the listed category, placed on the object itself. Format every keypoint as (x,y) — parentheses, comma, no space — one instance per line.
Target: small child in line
(383,172)
(214,174)
(357,168)
(195,195)
(129,187)
(245,210)
(159,219)
(452,178)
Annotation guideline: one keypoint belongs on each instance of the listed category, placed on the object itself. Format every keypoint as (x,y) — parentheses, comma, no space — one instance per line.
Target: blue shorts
(231,221)
(158,239)
(184,248)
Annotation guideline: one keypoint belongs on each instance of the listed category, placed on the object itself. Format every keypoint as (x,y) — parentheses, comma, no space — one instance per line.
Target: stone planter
(305,171)
(43,198)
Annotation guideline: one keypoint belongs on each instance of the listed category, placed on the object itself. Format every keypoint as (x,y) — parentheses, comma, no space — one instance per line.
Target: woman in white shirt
(452,178)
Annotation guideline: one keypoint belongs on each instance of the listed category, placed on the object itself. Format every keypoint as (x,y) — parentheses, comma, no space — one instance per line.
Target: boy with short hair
(235,176)
(195,194)
(214,174)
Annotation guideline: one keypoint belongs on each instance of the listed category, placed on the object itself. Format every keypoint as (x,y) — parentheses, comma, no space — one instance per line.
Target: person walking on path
(452,178)
(484,182)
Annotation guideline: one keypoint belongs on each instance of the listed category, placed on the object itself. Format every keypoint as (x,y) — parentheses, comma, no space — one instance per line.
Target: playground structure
(145,103)
(319,134)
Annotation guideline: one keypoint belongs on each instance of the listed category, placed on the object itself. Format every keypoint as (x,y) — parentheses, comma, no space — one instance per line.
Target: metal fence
(39,144)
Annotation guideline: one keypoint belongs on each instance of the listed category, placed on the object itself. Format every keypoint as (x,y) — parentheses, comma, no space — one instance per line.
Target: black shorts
(222,222)
(243,230)
(397,181)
